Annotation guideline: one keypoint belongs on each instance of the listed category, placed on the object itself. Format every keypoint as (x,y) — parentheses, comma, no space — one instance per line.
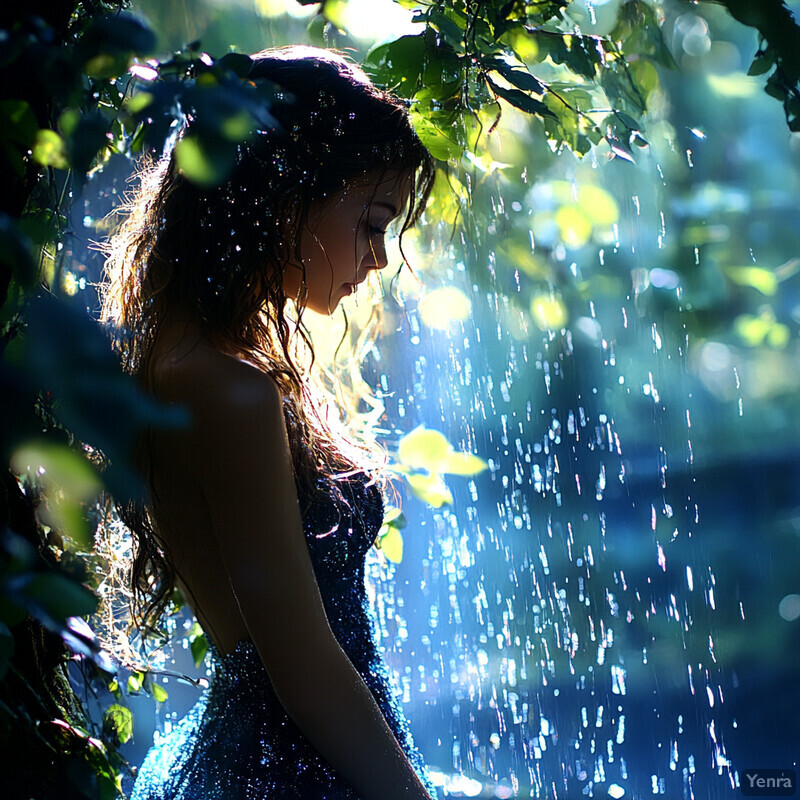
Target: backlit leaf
(202,162)
(440,144)
(424,448)
(49,150)
(159,693)
(395,517)
(118,722)
(135,682)
(431,489)
(199,647)
(465,464)
(392,545)
(598,205)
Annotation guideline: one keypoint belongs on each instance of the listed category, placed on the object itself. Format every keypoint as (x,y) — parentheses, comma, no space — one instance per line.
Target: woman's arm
(244,466)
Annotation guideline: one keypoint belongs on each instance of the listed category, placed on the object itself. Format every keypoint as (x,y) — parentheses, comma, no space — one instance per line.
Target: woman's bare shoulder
(196,374)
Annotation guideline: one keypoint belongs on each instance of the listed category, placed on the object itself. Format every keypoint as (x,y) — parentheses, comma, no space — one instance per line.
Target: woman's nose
(376,257)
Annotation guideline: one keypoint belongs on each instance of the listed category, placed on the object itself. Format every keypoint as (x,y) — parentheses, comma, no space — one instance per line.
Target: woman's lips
(351,287)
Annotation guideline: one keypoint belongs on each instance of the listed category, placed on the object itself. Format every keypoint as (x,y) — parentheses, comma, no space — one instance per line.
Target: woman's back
(191,374)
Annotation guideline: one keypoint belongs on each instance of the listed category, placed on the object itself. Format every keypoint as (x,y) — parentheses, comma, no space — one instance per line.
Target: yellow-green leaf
(237,127)
(463,464)
(49,150)
(138,102)
(753,330)
(394,516)
(199,647)
(67,479)
(201,163)
(424,448)
(118,720)
(392,545)
(135,681)
(735,84)
(159,693)
(439,143)
(519,256)
(779,335)
(431,489)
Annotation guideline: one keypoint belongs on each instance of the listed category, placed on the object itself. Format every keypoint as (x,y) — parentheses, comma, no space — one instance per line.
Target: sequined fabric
(238,743)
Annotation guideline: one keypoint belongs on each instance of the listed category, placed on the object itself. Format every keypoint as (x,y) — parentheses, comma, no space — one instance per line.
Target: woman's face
(343,241)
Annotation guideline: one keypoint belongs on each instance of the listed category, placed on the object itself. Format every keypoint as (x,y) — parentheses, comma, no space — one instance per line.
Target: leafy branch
(778,50)
(532,56)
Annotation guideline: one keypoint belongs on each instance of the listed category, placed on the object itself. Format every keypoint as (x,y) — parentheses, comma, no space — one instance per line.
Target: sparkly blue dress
(238,743)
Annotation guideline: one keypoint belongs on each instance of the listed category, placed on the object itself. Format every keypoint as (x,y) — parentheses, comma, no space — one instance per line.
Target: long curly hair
(219,255)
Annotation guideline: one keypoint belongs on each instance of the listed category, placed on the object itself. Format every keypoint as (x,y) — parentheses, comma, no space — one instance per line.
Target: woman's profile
(261,509)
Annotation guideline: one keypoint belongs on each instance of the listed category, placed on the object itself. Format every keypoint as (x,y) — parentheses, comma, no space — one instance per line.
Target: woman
(260,510)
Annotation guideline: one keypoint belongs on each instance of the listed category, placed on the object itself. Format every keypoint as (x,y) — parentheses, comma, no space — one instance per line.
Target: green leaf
(67,479)
(118,723)
(465,464)
(522,79)
(548,312)
(199,647)
(424,448)
(237,127)
(764,280)
(523,43)
(638,31)
(521,100)
(395,517)
(316,28)
(581,55)
(452,32)
(135,682)
(763,62)
(204,161)
(391,544)
(431,489)
(439,143)
(399,64)
(159,693)
(138,102)
(645,77)
(49,150)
